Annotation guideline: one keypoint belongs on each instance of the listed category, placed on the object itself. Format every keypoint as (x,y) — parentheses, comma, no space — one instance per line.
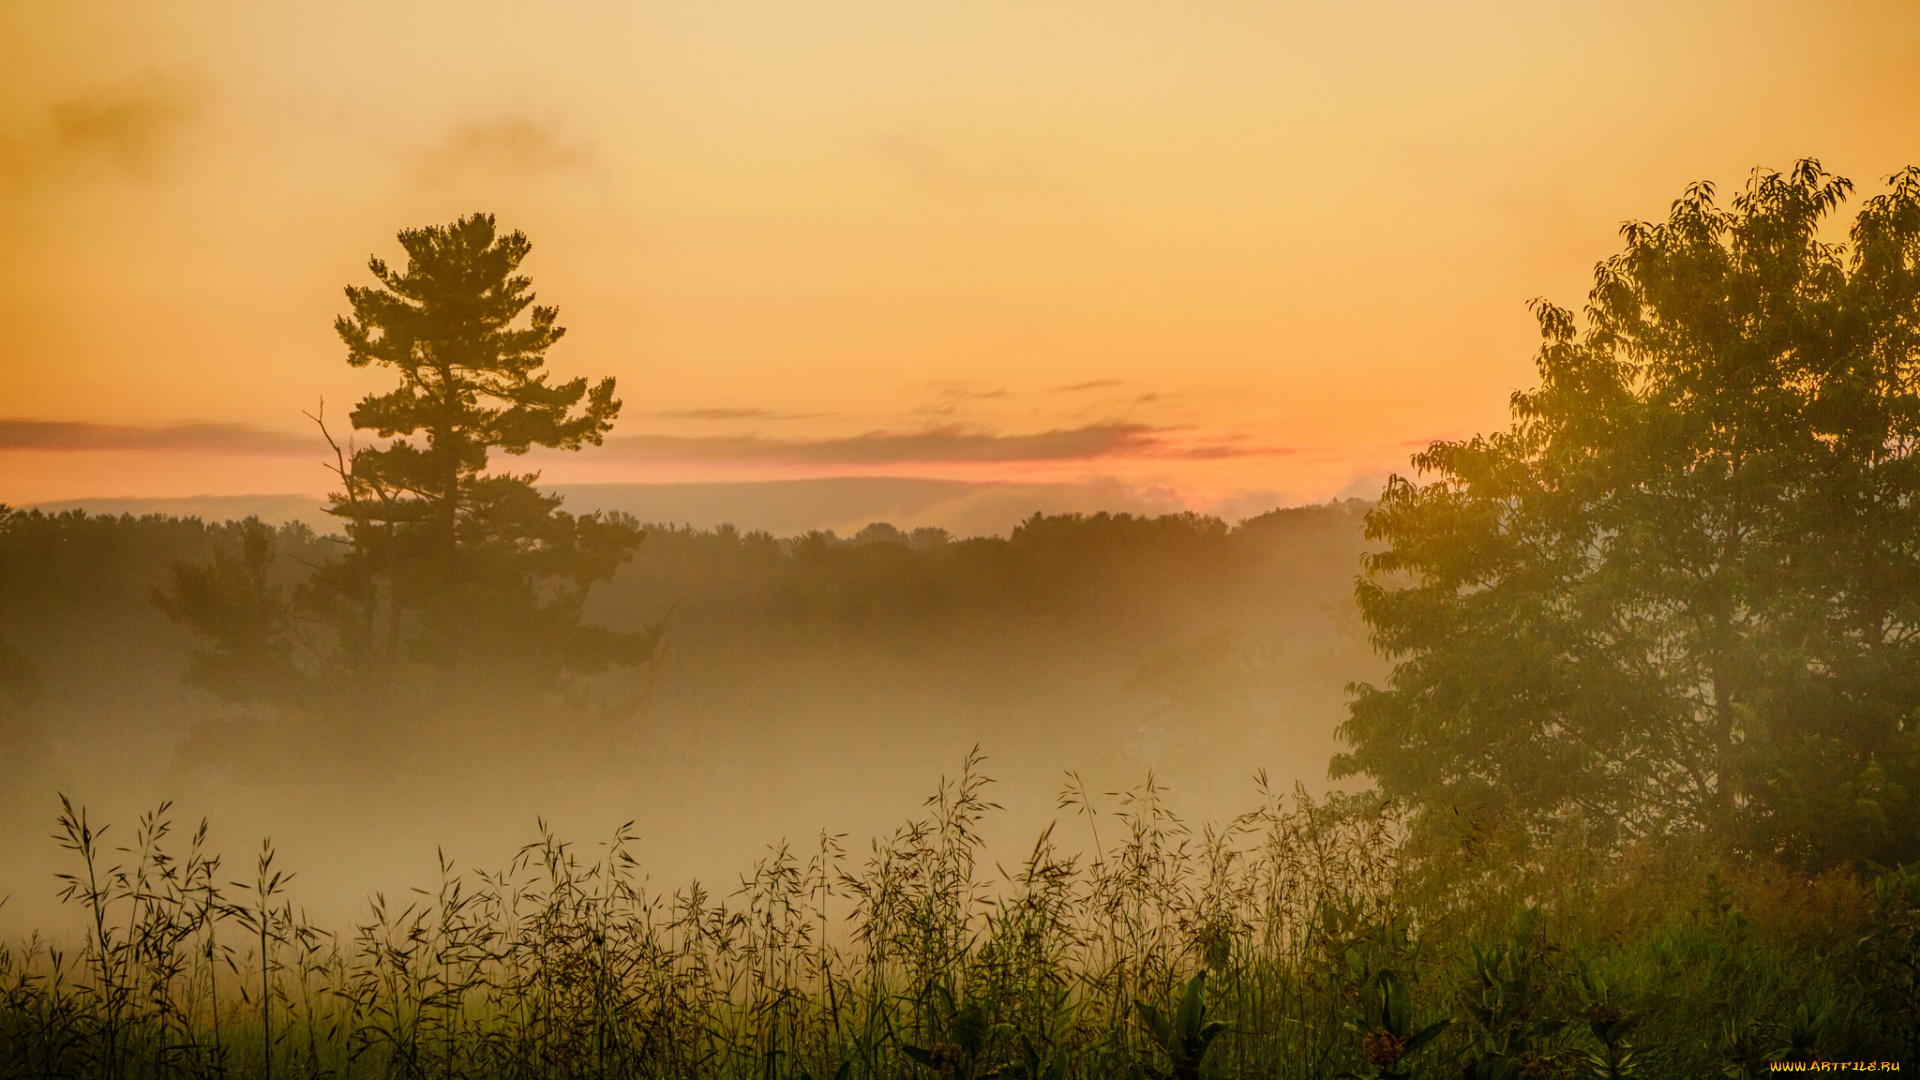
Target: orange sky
(1220,248)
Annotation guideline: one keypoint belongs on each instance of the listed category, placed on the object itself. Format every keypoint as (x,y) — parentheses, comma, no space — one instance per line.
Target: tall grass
(1302,939)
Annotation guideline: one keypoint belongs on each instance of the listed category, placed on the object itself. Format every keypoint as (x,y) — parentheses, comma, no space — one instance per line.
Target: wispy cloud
(511,145)
(733,414)
(23,434)
(934,164)
(955,396)
(926,163)
(951,444)
(131,123)
(962,390)
(1090,384)
(131,126)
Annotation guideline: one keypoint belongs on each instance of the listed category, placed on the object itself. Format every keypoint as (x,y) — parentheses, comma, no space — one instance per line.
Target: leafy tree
(1679,590)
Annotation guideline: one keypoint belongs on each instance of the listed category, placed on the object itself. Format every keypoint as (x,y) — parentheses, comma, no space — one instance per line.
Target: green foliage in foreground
(1301,939)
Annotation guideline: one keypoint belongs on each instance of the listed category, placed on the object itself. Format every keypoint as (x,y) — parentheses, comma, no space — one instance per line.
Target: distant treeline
(1064,617)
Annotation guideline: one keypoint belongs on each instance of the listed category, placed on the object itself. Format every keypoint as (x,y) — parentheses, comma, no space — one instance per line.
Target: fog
(801,683)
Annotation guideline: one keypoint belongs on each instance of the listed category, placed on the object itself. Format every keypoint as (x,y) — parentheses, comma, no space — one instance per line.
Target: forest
(1615,708)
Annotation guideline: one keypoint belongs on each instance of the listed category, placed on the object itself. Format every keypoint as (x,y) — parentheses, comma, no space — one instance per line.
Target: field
(1303,938)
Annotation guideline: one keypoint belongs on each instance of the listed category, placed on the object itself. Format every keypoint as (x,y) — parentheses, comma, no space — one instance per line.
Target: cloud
(515,146)
(961,390)
(22,434)
(131,125)
(951,444)
(933,165)
(923,162)
(945,444)
(954,394)
(1091,384)
(733,414)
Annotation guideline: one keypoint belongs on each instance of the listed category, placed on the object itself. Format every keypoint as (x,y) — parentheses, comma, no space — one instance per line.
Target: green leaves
(1185,1036)
(1385,1022)
(1680,590)
(1614,1060)
(961,1035)
(1511,1027)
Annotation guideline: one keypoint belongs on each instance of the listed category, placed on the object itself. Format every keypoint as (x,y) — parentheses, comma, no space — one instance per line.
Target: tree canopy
(463,564)
(471,381)
(447,566)
(1678,591)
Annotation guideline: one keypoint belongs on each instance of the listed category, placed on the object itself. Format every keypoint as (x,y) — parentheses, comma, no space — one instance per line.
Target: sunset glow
(1235,253)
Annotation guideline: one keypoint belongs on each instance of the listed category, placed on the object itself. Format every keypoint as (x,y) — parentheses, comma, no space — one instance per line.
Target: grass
(1301,939)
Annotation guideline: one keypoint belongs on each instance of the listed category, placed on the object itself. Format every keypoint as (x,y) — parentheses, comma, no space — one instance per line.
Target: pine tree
(450,563)
(448,569)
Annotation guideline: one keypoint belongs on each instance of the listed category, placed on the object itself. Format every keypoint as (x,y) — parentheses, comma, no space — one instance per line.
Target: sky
(1227,255)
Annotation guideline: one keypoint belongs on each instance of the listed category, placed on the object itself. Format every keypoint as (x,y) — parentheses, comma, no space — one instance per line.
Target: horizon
(785,508)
